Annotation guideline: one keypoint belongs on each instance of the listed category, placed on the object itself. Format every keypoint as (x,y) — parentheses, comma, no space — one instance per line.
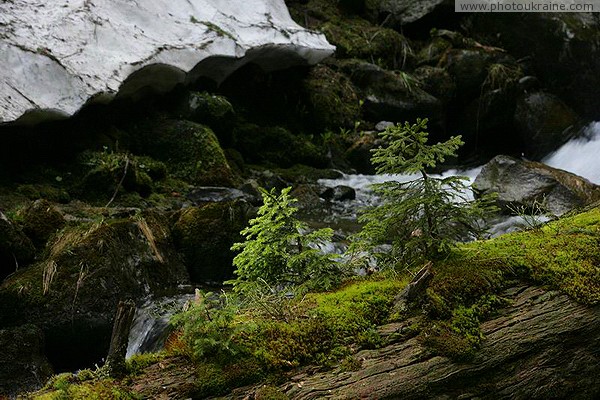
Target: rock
(63,56)
(23,365)
(338,193)
(201,195)
(40,221)
(534,186)
(400,13)
(544,123)
(16,249)
(209,109)
(432,53)
(73,292)
(190,151)
(437,82)
(277,145)
(359,153)
(383,125)
(392,96)
(205,235)
(561,49)
(332,98)
(544,346)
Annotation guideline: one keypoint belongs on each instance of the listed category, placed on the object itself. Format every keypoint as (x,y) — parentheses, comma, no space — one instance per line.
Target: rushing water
(580,156)
(151,323)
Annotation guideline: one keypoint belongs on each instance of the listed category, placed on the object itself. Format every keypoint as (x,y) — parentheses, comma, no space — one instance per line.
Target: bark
(115,361)
(544,345)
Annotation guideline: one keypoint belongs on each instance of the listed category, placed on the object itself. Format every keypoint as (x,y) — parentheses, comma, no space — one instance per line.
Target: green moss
(269,392)
(561,255)
(333,99)
(44,191)
(64,386)
(138,362)
(190,151)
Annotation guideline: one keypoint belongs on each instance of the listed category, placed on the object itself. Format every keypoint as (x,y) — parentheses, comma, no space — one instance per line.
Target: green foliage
(424,217)
(209,328)
(280,252)
(69,386)
(138,362)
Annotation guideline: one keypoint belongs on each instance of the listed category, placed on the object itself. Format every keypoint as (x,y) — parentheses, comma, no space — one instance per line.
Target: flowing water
(580,156)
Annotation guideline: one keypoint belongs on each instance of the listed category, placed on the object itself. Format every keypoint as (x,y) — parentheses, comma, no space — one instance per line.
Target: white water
(580,156)
(150,326)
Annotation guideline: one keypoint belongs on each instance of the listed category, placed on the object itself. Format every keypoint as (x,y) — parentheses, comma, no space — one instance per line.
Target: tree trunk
(115,361)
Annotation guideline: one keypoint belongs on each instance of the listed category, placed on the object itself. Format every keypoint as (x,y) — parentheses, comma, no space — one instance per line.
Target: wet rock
(383,125)
(205,235)
(40,221)
(72,293)
(161,45)
(432,53)
(23,365)
(338,193)
(544,123)
(16,249)
(533,186)
(201,195)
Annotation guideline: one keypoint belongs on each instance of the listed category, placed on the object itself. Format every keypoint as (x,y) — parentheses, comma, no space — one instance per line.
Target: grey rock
(533,186)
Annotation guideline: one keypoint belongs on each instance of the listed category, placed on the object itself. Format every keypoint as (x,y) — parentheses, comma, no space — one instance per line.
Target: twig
(120,182)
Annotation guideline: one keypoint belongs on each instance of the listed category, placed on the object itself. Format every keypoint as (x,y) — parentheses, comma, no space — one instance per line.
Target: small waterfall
(580,156)
(150,326)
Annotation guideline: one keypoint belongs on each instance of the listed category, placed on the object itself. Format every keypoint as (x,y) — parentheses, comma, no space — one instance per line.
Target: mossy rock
(73,291)
(44,191)
(205,235)
(277,146)
(111,173)
(40,221)
(191,151)
(357,38)
(332,98)
(210,109)
(23,365)
(432,53)
(16,249)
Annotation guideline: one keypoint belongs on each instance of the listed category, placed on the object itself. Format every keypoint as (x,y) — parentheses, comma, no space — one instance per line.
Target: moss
(205,235)
(138,362)
(277,146)
(269,392)
(190,151)
(40,221)
(332,97)
(304,174)
(561,255)
(44,191)
(64,386)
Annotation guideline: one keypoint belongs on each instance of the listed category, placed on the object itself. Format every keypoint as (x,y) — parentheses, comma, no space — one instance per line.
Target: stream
(579,156)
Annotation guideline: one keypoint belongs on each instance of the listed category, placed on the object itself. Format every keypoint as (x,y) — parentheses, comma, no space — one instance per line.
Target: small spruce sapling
(280,252)
(424,217)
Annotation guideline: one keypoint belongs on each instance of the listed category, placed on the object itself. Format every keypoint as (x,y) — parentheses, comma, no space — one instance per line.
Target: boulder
(532,186)
(16,249)
(23,364)
(63,55)
(544,123)
(392,96)
(73,292)
(191,151)
(561,49)
(399,13)
(338,193)
(40,221)
(205,235)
